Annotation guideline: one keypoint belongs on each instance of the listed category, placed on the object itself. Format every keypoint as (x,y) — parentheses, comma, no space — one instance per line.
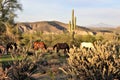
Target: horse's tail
(33,45)
(45,46)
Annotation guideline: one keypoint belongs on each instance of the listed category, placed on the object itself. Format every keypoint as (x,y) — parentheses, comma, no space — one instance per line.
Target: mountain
(43,26)
(117,29)
(50,26)
(101,25)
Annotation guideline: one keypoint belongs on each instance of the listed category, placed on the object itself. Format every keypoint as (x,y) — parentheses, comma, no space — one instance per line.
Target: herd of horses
(41,45)
(57,47)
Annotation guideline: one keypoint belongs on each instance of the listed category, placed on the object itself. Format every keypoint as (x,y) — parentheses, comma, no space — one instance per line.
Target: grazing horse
(39,45)
(11,46)
(2,49)
(59,46)
(87,45)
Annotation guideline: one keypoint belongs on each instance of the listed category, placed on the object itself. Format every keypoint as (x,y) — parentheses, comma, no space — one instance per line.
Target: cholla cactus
(99,64)
(22,69)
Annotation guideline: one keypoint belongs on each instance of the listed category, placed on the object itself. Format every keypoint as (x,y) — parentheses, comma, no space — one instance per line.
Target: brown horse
(2,49)
(39,45)
(63,46)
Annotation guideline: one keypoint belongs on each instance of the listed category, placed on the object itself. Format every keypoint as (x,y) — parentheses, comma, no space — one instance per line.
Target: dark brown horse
(39,45)
(63,46)
(11,46)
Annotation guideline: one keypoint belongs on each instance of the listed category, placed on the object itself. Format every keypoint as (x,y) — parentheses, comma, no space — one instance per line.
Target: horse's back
(38,45)
(87,45)
(59,46)
(63,45)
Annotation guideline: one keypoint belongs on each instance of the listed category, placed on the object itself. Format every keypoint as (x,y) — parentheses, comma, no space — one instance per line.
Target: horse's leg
(0,52)
(68,49)
(64,51)
(57,50)
(7,50)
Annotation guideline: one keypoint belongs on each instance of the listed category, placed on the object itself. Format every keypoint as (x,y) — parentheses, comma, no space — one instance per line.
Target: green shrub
(87,38)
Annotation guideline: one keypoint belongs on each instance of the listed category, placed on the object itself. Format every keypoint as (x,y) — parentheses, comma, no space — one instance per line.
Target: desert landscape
(55,50)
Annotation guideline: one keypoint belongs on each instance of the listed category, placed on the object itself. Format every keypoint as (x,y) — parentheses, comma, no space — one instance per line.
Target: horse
(59,46)
(11,46)
(87,45)
(39,45)
(2,49)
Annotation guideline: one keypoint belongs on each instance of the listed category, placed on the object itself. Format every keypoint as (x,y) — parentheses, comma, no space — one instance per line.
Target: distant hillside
(43,26)
(106,29)
(50,26)
(101,25)
(117,29)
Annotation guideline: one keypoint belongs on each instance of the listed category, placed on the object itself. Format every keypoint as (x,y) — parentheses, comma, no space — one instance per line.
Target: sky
(87,12)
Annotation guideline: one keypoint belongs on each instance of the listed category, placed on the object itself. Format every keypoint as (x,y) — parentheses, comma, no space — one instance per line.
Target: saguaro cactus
(72,23)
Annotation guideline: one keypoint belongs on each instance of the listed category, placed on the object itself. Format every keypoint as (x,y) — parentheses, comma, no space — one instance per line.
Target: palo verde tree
(7,12)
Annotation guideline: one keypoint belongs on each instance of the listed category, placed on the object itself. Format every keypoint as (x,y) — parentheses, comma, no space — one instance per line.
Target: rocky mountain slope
(60,27)
(50,27)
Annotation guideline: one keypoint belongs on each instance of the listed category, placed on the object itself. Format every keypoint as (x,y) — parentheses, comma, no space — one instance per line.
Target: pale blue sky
(87,11)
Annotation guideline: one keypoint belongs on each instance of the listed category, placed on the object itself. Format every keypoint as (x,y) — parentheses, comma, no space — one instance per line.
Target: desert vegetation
(101,63)
(25,63)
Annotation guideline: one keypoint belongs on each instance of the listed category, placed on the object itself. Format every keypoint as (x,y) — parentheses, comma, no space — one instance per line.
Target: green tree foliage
(8,8)
(7,12)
